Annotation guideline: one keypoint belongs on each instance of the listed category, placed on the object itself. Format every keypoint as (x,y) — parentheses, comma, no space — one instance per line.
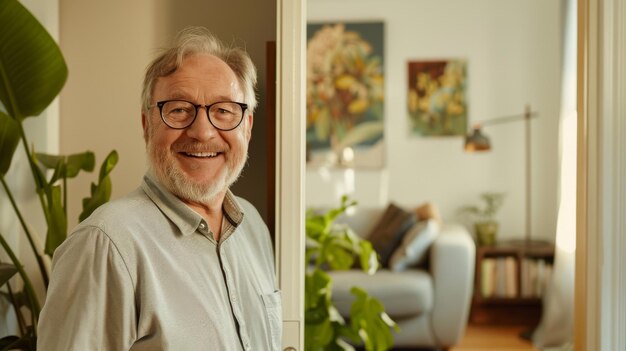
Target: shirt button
(234,298)
(202,226)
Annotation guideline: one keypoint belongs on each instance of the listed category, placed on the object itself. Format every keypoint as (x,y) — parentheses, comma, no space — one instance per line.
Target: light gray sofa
(430,304)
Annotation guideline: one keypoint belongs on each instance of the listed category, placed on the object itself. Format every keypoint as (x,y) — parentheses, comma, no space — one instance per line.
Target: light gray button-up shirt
(144,273)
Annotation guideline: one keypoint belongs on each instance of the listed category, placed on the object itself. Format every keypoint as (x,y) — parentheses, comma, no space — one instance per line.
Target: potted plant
(334,246)
(483,216)
(32,73)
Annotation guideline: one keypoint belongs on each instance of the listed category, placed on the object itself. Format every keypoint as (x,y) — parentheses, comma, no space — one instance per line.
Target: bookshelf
(510,279)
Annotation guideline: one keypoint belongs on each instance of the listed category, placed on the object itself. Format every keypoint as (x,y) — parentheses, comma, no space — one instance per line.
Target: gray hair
(199,40)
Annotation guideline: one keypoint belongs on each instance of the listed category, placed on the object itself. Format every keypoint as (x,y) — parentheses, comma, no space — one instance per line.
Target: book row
(507,277)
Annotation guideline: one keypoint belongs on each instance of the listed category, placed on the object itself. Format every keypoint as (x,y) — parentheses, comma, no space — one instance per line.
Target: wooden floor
(490,337)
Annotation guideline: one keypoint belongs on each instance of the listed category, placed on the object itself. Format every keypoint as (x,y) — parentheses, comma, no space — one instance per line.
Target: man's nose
(201,128)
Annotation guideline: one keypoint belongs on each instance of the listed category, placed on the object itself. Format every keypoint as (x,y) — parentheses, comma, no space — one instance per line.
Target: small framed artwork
(437,97)
(345,94)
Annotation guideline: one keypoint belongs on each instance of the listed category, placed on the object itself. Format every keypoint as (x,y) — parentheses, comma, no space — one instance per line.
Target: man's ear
(145,125)
(249,129)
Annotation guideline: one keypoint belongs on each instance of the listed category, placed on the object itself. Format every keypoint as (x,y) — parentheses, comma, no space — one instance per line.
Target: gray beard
(163,167)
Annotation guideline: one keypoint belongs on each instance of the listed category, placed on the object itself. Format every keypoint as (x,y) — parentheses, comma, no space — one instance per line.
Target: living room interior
(513,52)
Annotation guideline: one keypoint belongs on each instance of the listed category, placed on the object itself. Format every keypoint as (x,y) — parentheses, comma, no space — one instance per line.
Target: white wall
(108,45)
(513,51)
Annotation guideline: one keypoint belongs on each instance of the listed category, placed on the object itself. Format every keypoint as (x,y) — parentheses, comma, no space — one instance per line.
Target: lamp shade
(477,141)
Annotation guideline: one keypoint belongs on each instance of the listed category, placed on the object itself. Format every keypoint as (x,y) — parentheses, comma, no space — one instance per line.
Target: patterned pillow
(387,234)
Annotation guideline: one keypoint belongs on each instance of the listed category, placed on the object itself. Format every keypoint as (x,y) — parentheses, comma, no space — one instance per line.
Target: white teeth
(202,154)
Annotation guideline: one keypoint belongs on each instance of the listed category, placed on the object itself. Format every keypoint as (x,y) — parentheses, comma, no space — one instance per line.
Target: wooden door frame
(290,141)
(600,293)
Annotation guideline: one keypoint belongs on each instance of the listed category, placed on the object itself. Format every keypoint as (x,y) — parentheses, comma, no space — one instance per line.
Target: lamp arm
(507,119)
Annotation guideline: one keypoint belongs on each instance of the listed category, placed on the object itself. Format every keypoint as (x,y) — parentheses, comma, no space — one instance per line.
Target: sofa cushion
(415,244)
(387,234)
(403,294)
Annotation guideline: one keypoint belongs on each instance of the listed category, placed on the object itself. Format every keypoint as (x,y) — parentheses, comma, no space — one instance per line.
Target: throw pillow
(389,230)
(427,211)
(415,245)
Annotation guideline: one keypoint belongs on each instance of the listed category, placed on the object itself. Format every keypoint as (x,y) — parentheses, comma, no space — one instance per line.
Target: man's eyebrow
(177,94)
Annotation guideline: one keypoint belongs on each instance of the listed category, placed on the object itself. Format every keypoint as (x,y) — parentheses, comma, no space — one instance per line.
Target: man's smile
(200,154)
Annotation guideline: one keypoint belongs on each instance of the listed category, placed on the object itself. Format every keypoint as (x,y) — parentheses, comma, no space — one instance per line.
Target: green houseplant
(483,217)
(334,246)
(32,73)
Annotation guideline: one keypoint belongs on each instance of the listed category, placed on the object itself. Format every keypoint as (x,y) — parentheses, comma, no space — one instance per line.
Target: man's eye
(224,111)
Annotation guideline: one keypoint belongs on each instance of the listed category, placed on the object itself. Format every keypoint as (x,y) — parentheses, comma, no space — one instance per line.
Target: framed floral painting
(345,94)
(437,97)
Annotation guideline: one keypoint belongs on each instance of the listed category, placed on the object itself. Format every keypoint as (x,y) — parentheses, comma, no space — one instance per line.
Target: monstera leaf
(335,246)
(369,319)
(32,68)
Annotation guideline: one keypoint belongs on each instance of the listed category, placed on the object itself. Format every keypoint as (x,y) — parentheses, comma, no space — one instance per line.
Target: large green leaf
(100,193)
(318,336)
(317,287)
(369,319)
(32,68)
(49,161)
(337,253)
(85,161)
(109,163)
(9,138)
(57,221)
(67,166)
(38,174)
(368,257)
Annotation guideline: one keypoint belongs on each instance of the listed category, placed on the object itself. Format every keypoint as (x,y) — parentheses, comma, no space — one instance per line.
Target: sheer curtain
(557,322)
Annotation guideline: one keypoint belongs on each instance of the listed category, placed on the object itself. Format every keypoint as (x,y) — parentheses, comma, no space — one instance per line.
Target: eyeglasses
(180,114)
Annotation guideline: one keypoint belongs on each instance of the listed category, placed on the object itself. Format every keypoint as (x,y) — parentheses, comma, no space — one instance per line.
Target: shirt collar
(232,209)
(186,219)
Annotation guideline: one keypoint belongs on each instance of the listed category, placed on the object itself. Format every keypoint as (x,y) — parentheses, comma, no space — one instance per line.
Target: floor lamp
(476,141)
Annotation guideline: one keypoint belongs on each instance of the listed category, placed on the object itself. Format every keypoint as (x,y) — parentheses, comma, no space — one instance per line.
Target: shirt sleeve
(90,304)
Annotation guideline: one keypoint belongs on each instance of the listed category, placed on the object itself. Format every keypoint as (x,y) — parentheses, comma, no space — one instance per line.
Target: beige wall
(108,44)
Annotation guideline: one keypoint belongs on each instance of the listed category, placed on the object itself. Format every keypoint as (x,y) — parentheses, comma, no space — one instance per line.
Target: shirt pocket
(274,313)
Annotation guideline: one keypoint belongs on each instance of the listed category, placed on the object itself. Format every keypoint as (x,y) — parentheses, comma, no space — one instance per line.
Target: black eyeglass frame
(243,106)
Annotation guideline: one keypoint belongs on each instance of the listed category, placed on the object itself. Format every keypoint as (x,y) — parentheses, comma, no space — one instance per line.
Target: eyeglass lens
(181,114)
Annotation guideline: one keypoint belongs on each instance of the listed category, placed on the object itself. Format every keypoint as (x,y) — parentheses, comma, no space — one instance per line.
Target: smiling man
(181,263)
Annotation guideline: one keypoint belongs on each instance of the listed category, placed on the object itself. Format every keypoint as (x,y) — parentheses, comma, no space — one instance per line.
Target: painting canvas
(345,94)
(437,97)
